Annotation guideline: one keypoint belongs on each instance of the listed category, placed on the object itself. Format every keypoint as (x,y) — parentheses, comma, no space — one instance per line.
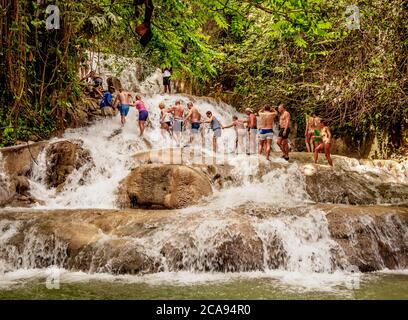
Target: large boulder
(325,185)
(15,166)
(62,158)
(169,186)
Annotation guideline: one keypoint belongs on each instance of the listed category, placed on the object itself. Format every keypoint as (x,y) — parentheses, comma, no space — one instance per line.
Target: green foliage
(261,51)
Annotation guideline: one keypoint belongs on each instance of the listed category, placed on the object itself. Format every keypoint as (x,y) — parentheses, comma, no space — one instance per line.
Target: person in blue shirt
(106,103)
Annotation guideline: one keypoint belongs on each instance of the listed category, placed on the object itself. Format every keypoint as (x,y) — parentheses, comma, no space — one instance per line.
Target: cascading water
(265,224)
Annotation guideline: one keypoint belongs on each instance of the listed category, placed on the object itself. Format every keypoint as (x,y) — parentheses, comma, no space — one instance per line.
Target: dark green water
(376,286)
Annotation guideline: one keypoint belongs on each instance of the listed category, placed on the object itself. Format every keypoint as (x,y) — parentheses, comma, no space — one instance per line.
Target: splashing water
(112,149)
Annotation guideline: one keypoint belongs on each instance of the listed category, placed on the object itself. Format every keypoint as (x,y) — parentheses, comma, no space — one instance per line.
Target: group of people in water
(256,133)
(259,133)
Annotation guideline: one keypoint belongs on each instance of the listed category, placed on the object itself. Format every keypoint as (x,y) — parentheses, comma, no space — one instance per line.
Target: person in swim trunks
(122,102)
(240,132)
(325,145)
(194,117)
(216,127)
(178,114)
(312,126)
(284,130)
(266,132)
(143,114)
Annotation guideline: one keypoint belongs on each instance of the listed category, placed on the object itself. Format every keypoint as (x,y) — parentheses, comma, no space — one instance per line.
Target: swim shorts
(281,133)
(124,110)
(178,125)
(217,133)
(166,81)
(195,126)
(143,115)
(265,134)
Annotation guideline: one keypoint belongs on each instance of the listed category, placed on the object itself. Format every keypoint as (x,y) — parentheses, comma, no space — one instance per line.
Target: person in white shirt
(166,80)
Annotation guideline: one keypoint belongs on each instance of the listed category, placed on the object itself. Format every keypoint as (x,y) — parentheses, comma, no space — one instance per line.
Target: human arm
(307,127)
(287,121)
(188,116)
(229,126)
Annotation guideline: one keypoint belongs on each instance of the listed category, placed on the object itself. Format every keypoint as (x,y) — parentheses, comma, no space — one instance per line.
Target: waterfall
(264,223)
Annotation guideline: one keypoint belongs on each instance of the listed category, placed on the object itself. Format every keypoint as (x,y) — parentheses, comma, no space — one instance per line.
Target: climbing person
(194,117)
(284,130)
(252,130)
(325,145)
(178,116)
(165,120)
(143,114)
(166,79)
(216,127)
(240,133)
(106,103)
(267,118)
(97,83)
(122,103)
(312,129)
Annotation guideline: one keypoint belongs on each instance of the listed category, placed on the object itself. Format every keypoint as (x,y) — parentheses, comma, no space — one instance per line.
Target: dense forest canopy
(249,52)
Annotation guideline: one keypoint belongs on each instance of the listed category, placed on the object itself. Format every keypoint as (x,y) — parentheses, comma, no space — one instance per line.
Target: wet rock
(168,186)
(368,237)
(329,186)
(373,238)
(62,158)
(239,252)
(115,83)
(18,160)
(22,184)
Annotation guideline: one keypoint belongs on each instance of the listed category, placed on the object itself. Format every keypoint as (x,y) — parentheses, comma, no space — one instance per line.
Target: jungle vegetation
(248,52)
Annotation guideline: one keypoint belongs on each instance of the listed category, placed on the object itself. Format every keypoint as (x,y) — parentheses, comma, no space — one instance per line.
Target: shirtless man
(252,129)
(122,102)
(178,113)
(326,144)
(194,117)
(267,117)
(312,126)
(240,132)
(284,130)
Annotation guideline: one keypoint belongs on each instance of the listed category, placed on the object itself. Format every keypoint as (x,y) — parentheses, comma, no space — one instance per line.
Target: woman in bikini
(326,142)
(312,129)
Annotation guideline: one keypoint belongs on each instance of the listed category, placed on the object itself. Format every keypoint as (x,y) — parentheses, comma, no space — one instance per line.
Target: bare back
(195,115)
(178,111)
(267,119)
(123,97)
